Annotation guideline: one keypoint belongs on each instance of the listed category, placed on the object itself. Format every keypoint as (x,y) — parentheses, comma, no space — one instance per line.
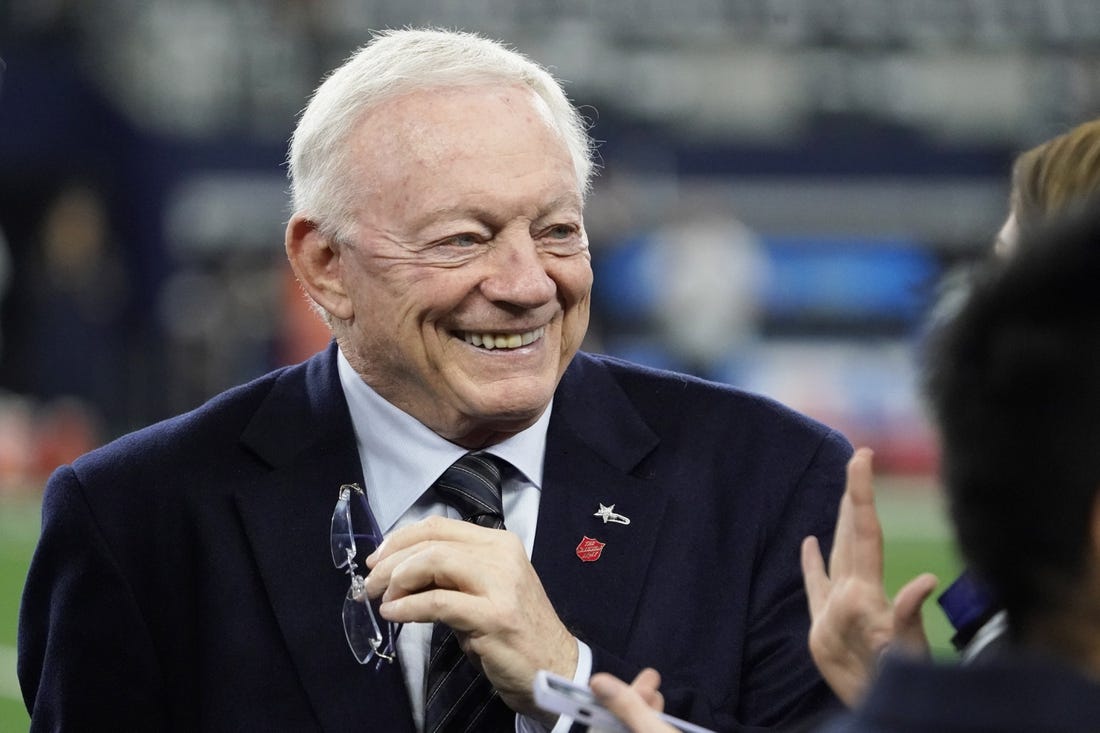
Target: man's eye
(462,240)
(559,231)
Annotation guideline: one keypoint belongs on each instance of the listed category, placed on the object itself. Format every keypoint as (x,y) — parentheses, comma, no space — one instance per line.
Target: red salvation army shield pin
(589,549)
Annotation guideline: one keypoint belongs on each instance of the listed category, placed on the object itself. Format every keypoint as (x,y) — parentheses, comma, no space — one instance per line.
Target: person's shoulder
(661,383)
(1021,690)
(217,422)
(695,398)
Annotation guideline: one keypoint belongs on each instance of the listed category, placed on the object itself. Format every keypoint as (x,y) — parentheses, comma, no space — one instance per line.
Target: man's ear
(316,262)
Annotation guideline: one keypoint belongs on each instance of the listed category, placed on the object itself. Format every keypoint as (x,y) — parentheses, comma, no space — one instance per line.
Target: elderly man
(615,516)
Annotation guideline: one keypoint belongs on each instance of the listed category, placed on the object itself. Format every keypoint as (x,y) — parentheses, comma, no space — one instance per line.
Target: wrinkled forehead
(437,134)
(431,123)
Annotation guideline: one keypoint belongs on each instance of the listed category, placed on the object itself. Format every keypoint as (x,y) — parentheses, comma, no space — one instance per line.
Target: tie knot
(472,484)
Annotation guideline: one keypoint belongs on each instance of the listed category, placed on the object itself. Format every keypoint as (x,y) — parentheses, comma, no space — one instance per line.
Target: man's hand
(852,620)
(637,705)
(479,582)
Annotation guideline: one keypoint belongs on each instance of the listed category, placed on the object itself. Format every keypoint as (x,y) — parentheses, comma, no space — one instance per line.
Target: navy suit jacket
(183,578)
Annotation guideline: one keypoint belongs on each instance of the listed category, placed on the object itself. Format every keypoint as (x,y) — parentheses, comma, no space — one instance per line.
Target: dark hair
(1014,384)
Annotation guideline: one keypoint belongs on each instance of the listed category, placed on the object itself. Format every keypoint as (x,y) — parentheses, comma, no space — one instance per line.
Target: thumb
(627,705)
(909,632)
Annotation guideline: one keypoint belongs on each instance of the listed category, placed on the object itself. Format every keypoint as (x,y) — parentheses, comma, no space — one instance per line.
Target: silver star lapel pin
(607,514)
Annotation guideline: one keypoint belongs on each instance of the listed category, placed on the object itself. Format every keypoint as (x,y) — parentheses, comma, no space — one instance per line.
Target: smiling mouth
(503,340)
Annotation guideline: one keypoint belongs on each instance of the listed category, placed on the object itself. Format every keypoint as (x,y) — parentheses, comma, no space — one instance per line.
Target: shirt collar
(402,457)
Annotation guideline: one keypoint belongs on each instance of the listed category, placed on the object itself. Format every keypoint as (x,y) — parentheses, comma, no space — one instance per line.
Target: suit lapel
(595,445)
(310,445)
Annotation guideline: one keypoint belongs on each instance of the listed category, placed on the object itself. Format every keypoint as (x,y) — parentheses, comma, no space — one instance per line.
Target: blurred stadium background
(783,185)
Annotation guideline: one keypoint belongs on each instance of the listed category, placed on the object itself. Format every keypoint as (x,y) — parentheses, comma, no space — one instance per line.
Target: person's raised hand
(852,619)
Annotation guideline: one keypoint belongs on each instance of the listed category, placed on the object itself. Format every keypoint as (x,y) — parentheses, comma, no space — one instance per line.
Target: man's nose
(518,273)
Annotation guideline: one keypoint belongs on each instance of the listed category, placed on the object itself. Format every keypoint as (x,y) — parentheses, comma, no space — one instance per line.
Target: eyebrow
(565,200)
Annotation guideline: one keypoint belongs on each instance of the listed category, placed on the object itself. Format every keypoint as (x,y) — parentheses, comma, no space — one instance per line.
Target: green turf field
(18,532)
(911,517)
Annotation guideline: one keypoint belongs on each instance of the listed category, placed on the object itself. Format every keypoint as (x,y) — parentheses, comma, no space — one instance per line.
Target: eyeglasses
(369,636)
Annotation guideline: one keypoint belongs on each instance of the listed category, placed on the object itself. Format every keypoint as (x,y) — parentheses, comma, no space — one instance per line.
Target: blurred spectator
(75,305)
(685,296)
(36,438)
(216,319)
(715,272)
(16,443)
(5,278)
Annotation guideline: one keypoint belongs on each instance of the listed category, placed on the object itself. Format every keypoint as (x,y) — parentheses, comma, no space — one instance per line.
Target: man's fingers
(378,579)
(859,476)
(433,564)
(846,538)
(470,566)
(432,528)
(908,624)
(461,611)
(412,568)
(814,578)
(908,601)
(627,705)
(648,685)
(435,537)
(866,547)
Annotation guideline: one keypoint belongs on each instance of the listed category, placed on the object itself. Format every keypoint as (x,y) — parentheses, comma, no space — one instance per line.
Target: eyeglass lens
(368,637)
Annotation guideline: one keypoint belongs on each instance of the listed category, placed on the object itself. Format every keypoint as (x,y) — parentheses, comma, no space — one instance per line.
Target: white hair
(396,62)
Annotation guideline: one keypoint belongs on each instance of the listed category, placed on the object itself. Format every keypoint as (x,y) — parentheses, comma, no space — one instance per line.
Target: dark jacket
(183,578)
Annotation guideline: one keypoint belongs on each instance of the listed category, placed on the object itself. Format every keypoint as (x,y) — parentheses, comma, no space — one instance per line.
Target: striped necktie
(458,697)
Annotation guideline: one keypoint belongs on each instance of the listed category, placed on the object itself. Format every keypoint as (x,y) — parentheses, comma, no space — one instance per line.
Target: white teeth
(502,341)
